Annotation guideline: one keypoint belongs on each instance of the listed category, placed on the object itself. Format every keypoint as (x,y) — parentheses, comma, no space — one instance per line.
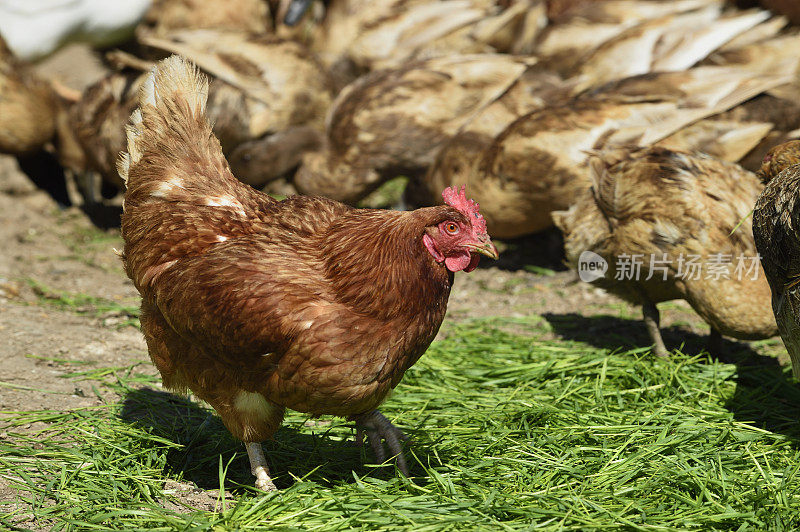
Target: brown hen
(258,305)
(673,225)
(775,222)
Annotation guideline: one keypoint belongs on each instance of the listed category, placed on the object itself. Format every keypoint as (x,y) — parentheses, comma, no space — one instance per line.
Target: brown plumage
(166,16)
(776,219)
(680,209)
(537,164)
(28,107)
(267,103)
(789,8)
(258,305)
(392,122)
(262,84)
(98,120)
(383,34)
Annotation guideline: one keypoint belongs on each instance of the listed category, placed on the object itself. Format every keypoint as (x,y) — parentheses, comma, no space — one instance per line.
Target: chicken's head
(778,159)
(460,238)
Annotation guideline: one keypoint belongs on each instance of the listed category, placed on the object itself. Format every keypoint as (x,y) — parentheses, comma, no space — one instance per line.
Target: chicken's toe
(380,429)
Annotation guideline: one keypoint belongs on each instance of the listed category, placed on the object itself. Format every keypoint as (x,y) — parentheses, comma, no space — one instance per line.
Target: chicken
(258,305)
(166,16)
(790,8)
(775,223)
(267,103)
(359,36)
(392,122)
(28,107)
(263,84)
(537,164)
(98,121)
(577,27)
(671,225)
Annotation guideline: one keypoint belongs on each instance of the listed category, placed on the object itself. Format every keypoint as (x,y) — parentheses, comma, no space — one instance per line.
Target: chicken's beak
(484,246)
(295,11)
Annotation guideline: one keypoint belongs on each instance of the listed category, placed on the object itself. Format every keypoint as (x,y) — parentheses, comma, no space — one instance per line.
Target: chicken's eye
(451,228)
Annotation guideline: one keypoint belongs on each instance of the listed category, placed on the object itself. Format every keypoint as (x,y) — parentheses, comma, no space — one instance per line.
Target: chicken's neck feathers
(378,265)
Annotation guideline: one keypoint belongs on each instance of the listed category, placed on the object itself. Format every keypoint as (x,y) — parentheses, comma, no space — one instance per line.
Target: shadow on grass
(766,395)
(612,332)
(204,440)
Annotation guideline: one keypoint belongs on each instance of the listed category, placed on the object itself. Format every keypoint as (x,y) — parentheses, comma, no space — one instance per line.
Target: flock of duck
(634,126)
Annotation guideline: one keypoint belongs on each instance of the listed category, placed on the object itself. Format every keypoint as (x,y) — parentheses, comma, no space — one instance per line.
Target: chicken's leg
(379,428)
(258,466)
(714,343)
(652,320)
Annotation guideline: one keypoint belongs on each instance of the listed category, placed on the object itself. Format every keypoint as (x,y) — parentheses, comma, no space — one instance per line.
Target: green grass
(510,432)
(123,314)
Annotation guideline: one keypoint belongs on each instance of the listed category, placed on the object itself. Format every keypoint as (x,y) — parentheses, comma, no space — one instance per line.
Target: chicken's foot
(714,342)
(652,320)
(379,428)
(258,466)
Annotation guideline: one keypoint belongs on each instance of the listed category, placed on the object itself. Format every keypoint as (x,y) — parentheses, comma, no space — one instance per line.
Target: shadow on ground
(766,395)
(205,442)
(540,250)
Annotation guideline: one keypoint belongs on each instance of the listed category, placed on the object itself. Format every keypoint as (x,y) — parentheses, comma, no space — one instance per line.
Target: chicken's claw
(379,428)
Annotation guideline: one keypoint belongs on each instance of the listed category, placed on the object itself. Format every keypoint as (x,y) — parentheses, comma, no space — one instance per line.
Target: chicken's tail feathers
(172,77)
(172,82)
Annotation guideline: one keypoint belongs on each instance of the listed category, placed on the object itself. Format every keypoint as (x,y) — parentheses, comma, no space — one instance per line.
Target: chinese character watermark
(640,267)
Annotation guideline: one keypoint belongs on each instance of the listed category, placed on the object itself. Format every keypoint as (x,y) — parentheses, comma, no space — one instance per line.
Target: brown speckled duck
(683,219)
(776,228)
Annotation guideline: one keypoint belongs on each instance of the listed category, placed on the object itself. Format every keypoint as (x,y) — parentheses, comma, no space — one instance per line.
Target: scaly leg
(379,428)
(258,466)
(652,320)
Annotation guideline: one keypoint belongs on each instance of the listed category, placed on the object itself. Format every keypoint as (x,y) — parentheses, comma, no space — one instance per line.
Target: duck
(672,225)
(779,106)
(391,122)
(262,84)
(775,223)
(97,122)
(787,8)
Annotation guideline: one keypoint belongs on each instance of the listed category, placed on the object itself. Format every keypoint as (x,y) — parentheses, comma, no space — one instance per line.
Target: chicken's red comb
(458,200)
